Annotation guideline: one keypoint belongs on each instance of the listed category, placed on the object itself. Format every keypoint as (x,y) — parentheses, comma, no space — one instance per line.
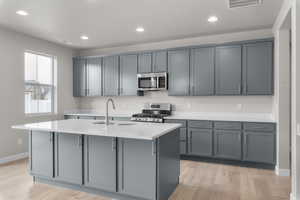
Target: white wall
(251,104)
(12,47)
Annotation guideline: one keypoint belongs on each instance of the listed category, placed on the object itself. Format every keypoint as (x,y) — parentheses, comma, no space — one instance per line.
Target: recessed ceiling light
(22,12)
(212,19)
(140,29)
(84,37)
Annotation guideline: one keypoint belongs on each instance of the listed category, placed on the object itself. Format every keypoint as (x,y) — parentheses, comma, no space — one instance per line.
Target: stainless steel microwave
(152,81)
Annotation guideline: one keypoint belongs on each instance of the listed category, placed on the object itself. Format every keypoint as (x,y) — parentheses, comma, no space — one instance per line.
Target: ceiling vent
(243,3)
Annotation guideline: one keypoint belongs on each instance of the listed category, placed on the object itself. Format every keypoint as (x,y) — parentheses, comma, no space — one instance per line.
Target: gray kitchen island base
(120,168)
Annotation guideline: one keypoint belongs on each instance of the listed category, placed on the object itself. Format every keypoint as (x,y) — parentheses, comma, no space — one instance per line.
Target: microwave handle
(157,82)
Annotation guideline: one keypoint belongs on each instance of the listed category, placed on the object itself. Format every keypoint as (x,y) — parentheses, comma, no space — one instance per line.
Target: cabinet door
(258,68)
(228,70)
(41,154)
(137,168)
(111,76)
(94,76)
(259,147)
(159,61)
(202,72)
(200,142)
(79,77)
(128,75)
(68,158)
(100,162)
(227,144)
(178,68)
(145,63)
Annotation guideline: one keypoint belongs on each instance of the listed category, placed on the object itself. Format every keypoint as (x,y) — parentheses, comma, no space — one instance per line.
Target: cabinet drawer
(177,121)
(265,127)
(228,125)
(200,124)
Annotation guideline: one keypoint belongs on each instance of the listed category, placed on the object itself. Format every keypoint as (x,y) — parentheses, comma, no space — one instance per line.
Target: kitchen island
(124,160)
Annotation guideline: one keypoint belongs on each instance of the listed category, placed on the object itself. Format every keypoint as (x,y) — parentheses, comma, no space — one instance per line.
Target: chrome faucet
(114,107)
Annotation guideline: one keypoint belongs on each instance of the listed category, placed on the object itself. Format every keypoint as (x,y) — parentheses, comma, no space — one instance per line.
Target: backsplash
(232,104)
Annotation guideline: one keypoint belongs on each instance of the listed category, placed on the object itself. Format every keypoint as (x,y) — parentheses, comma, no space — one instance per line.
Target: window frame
(53,85)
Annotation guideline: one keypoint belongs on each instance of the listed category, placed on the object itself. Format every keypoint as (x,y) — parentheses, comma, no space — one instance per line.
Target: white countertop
(243,117)
(213,116)
(139,130)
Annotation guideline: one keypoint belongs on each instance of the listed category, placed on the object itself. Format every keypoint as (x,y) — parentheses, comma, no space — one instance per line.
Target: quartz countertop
(133,130)
(243,117)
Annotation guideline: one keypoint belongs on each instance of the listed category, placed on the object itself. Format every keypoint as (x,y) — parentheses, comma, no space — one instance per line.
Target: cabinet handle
(153,147)
(113,144)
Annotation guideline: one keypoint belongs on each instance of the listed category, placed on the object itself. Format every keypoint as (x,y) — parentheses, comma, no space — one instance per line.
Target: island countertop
(121,129)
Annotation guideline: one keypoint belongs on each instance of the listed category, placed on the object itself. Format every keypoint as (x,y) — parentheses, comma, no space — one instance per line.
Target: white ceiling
(113,22)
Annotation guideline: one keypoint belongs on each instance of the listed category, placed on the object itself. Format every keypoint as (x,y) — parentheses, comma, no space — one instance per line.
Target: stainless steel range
(153,112)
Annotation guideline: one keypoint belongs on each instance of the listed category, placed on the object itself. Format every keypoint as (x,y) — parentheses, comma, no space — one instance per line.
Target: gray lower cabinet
(79,77)
(94,76)
(100,163)
(159,61)
(178,72)
(111,76)
(202,71)
(137,169)
(68,158)
(200,142)
(258,68)
(145,63)
(128,75)
(41,154)
(228,76)
(228,144)
(259,147)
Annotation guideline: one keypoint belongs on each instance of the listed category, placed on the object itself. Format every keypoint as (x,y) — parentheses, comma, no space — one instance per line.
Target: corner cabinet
(41,154)
(128,75)
(79,77)
(178,69)
(137,169)
(111,76)
(228,77)
(258,68)
(68,158)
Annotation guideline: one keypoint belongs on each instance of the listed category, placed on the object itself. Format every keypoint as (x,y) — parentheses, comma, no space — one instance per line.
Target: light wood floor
(199,181)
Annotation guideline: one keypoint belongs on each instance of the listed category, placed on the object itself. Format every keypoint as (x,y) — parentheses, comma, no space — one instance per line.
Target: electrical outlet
(20,141)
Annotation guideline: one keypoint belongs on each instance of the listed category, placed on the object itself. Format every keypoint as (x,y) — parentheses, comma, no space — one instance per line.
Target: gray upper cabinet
(159,61)
(94,74)
(200,142)
(100,163)
(79,77)
(111,76)
(228,144)
(68,158)
(145,63)
(228,74)
(202,72)
(41,154)
(128,75)
(178,69)
(258,68)
(137,169)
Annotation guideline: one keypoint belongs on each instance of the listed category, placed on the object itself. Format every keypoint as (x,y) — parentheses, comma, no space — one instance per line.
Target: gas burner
(153,113)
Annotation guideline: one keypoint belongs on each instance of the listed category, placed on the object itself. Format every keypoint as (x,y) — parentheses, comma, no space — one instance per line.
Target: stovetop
(153,113)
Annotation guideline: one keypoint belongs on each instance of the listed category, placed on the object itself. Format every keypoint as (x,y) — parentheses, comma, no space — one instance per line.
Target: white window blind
(39,83)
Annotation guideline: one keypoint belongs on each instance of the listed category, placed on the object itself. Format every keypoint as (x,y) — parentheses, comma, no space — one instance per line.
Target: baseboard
(282,172)
(13,158)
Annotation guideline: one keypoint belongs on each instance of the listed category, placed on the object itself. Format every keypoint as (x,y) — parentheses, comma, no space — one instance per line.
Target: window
(39,83)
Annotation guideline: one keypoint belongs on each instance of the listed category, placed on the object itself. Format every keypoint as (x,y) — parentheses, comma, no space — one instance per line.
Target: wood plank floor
(199,181)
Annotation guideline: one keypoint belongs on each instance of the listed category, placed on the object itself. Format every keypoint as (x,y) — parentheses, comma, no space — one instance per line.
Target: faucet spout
(114,107)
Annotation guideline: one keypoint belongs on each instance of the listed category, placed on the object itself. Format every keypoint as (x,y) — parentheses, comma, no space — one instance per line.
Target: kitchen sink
(125,124)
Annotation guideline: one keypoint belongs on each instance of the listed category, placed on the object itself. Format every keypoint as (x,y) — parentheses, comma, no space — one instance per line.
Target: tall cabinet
(178,69)
(128,72)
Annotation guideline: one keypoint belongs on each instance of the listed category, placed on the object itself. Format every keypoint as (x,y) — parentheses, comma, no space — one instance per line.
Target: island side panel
(168,164)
